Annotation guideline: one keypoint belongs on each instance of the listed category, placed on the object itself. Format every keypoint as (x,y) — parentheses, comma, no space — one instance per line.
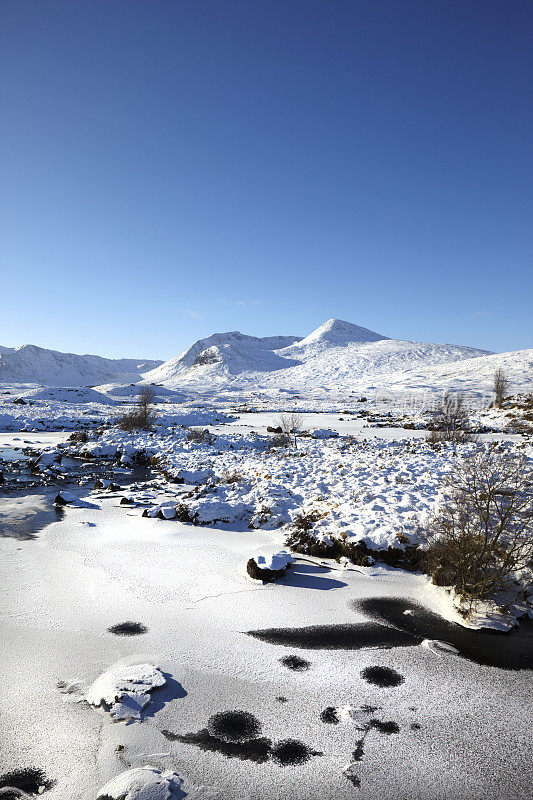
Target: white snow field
(450,729)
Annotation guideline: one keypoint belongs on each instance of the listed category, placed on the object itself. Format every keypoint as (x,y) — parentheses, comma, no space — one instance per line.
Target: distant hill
(32,364)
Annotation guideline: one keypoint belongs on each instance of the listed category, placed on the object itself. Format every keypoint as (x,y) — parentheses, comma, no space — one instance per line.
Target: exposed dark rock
(263,574)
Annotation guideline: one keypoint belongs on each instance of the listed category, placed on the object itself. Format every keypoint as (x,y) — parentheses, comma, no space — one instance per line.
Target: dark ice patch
(385,727)
(295,663)
(338,637)
(234,726)
(359,751)
(382,676)
(258,750)
(511,650)
(291,752)
(27,779)
(329,716)
(128,629)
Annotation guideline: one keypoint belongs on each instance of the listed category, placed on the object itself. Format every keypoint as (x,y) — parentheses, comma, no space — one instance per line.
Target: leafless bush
(142,415)
(230,477)
(279,440)
(484,531)
(500,387)
(290,424)
(200,435)
(450,421)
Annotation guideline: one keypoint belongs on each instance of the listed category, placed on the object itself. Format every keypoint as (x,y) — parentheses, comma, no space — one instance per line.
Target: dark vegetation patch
(382,676)
(27,779)
(258,750)
(338,637)
(291,752)
(329,716)
(512,650)
(234,726)
(302,540)
(128,629)
(295,663)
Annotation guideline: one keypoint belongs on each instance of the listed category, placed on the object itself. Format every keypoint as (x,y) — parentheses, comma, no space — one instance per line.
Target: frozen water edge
(62,592)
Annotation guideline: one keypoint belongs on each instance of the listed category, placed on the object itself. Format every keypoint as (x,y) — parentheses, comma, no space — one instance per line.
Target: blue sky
(171,169)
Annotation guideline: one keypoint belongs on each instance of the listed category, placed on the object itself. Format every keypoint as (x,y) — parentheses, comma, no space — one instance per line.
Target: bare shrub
(484,531)
(230,477)
(500,387)
(200,436)
(450,421)
(279,440)
(290,424)
(142,414)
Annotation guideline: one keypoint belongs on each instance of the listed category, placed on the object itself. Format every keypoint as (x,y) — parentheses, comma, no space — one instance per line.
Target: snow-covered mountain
(31,364)
(336,356)
(223,355)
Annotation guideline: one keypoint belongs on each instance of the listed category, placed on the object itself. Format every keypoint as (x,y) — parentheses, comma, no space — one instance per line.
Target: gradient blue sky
(171,169)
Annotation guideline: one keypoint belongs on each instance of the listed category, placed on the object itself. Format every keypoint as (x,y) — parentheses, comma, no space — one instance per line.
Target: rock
(268,568)
(271,429)
(124,691)
(102,483)
(68,499)
(19,401)
(143,783)
(324,433)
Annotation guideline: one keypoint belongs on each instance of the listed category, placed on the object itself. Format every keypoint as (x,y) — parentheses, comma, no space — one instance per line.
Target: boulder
(269,567)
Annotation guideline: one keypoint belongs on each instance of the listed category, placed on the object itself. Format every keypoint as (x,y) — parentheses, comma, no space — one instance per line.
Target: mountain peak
(338,332)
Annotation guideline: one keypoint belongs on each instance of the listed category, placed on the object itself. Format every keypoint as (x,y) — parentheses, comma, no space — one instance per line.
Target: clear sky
(174,168)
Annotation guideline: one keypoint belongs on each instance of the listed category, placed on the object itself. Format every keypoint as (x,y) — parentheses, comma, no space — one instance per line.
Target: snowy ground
(451,728)
(463,727)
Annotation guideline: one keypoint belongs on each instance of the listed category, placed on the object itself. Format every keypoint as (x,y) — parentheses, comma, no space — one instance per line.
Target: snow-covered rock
(143,783)
(64,498)
(324,433)
(124,690)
